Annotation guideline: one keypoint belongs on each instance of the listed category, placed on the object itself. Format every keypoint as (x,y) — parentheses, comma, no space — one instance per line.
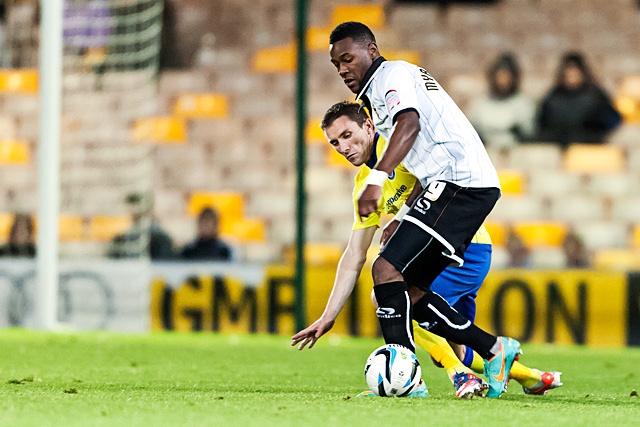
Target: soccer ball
(392,371)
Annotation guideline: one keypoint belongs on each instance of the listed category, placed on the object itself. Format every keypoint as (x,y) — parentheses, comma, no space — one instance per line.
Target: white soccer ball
(392,370)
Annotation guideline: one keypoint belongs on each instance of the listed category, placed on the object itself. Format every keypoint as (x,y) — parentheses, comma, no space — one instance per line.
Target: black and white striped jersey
(447,147)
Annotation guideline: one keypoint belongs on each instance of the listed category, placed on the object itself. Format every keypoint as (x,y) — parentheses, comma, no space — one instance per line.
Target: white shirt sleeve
(399,91)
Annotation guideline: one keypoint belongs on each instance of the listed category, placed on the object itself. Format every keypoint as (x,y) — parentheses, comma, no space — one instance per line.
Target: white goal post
(50,83)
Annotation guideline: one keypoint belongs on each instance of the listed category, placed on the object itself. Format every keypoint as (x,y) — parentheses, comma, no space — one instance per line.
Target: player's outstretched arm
(349,268)
(402,139)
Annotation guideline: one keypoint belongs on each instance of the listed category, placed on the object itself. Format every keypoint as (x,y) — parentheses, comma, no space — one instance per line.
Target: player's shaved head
(352,110)
(355,30)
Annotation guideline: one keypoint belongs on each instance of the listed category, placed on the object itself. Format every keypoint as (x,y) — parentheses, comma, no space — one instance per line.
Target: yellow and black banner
(567,307)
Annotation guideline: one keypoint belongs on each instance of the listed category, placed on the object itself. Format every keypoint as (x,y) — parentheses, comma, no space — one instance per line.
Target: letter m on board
(234,299)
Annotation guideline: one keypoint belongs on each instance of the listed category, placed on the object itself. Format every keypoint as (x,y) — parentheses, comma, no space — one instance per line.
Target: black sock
(394,313)
(436,315)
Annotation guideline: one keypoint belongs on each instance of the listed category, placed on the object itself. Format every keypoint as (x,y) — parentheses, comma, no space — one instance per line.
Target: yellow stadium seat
(541,234)
(172,130)
(20,81)
(627,100)
(71,228)
(498,232)
(336,159)
(371,15)
(275,60)
(629,108)
(14,152)
(616,259)
(323,253)
(201,106)
(245,230)
(318,39)
(107,227)
(316,253)
(6,220)
(412,56)
(512,182)
(635,237)
(229,205)
(313,133)
(94,56)
(587,158)
(630,87)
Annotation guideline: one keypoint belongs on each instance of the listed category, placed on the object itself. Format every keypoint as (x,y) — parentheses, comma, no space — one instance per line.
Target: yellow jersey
(395,191)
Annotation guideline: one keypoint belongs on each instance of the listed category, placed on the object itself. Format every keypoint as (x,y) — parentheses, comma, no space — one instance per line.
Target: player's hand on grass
(312,333)
(368,200)
(388,231)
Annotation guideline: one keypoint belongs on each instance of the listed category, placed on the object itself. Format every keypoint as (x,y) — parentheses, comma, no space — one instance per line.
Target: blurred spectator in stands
(168,37)
(21,35)
(576,109)
(86,23)
(21,238)
(145,237)
(85,30)
(575,251)
(506,116)
(207,245)
(519,254)
(205,57)
(5,60)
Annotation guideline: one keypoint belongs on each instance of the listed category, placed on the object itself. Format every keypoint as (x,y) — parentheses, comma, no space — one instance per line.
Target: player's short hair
(356,30)
(355,112)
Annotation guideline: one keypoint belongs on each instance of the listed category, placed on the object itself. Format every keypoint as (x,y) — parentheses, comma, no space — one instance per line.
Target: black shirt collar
(366,80)
(371,163)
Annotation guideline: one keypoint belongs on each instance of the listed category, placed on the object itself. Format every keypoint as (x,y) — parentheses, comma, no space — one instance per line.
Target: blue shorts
(459,285)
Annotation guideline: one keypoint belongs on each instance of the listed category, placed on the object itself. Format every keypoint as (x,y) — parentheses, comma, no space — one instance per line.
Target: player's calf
(394,314)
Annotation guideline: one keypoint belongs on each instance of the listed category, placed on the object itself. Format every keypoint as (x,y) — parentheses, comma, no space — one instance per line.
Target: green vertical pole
(301,156)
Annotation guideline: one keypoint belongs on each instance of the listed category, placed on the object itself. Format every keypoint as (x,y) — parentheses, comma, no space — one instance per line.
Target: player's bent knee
(416,294)
(384,272)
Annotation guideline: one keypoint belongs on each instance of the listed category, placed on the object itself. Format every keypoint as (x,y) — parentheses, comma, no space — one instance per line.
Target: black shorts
(437,230)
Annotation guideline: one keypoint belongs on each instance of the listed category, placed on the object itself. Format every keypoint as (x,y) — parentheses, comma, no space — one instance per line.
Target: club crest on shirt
(392,100)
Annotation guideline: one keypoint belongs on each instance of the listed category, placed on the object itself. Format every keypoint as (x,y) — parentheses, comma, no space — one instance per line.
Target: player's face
(352,60)
(350,140)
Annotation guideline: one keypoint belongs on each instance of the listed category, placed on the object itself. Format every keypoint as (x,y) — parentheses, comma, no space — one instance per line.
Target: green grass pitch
(170,379)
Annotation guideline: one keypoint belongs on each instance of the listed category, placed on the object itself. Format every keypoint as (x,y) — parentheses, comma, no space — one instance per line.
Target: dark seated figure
(145,238)
(207,246)
(576,109)
(21,241)
(152,241)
